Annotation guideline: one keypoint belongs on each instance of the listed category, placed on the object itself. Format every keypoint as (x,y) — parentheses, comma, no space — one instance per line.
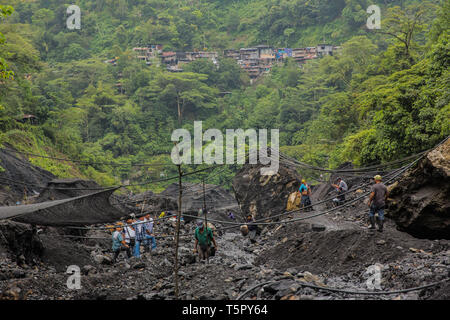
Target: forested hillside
(383,97)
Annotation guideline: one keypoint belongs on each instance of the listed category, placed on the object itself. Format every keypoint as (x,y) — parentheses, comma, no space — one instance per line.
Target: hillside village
(256,61)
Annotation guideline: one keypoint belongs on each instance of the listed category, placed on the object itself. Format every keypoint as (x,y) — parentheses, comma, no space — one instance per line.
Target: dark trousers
(117,252)
(203,251)
(306,202)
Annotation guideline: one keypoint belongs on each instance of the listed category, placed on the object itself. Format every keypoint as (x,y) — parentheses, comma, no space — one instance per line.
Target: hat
(303,180)
(200,223)
(338,178)
(377,178)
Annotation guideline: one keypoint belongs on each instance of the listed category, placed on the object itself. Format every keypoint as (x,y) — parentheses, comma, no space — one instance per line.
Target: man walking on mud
(377,202)
(203,238)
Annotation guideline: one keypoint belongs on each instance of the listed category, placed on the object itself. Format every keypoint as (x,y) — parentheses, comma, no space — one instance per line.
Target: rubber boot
(372,223)
(380,225)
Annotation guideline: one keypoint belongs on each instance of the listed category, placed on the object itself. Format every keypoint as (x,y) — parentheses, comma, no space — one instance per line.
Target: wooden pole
(204,202)
(177,231)
(204,211)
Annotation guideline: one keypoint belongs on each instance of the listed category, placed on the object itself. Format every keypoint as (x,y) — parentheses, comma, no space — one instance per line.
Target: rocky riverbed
(294,254)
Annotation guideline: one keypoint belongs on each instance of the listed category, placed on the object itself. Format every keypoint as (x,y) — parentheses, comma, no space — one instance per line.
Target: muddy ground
(337,258)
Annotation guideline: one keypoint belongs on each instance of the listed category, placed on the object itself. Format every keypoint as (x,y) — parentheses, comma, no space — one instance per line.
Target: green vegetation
(383,97)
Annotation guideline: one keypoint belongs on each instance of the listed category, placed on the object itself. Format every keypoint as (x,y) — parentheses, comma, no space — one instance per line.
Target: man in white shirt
(341,188)
(130,234)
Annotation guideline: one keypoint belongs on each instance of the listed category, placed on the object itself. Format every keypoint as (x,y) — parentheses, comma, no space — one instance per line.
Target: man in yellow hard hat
(377,202)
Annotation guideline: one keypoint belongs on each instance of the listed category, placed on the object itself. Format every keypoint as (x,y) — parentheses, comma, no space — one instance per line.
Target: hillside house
(169,57)
(324,50)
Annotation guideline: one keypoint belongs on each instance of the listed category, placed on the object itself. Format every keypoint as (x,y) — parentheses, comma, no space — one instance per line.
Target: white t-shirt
(343,186)
(129,233)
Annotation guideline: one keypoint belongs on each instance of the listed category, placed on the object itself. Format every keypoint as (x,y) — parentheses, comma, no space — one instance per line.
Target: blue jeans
(150,239)
(137,249)
(374,209)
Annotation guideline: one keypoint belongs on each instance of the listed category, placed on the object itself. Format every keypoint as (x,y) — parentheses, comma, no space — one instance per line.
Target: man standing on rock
(203,238)
(377,202)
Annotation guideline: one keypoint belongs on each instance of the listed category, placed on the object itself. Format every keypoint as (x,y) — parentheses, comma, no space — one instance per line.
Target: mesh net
(82,210)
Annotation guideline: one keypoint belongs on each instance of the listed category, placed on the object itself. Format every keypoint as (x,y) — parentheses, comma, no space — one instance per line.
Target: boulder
(21,241)
(420,199)
(218,201)
(265,196)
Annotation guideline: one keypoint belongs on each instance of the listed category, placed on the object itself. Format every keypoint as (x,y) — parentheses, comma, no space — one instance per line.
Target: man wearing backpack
(305,191)
(203,238)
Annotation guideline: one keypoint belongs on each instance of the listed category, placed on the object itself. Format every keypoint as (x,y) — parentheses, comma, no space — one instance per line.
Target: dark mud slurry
(336,258)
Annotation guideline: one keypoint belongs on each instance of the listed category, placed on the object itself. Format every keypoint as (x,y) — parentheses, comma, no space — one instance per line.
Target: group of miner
(137,234)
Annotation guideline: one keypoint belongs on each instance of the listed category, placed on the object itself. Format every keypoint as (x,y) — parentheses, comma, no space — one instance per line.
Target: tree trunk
(179,110)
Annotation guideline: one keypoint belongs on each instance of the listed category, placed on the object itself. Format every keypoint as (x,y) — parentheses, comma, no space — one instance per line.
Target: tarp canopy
(83,210)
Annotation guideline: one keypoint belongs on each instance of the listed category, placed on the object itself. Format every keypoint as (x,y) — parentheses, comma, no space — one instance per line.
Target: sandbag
(293,202)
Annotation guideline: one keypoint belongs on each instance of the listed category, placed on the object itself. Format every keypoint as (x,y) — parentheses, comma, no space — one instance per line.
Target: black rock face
(22,241)
(264,196)
(420,199)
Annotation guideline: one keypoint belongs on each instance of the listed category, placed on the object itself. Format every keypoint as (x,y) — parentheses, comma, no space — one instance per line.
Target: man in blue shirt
(118,242)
